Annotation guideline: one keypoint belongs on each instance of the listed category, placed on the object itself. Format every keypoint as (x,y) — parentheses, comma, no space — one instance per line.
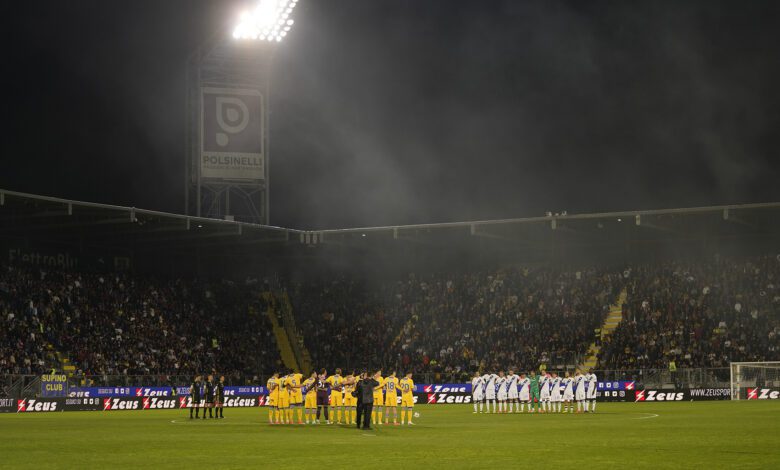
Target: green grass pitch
(634,435)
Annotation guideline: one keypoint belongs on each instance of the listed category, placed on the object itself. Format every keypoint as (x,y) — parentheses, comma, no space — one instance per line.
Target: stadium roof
(28,215)
(69,221)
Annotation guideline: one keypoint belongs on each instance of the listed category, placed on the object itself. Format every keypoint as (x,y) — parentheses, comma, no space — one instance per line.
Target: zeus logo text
(119,404)
(32,405)
(154,403)
(149,392)
(240,402)
(654,395)
(763,394)
(446,398)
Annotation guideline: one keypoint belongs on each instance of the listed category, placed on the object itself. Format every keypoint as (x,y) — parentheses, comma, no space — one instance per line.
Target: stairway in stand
(612,321)
(302,356)
(273,312)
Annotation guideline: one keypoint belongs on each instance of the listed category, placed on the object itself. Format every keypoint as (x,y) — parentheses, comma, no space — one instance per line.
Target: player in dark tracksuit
(195,396)
(209,396)
(220,392)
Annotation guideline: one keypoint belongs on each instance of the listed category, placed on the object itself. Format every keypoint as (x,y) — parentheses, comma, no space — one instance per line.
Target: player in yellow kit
(296,396)
(283,401)
(273,398)
(310,405)
(350,401)
(336,382)
(391,398)
(376,411)
(407,398)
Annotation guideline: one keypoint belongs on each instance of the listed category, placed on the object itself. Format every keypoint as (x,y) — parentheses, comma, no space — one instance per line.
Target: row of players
(312,398)
(546,393)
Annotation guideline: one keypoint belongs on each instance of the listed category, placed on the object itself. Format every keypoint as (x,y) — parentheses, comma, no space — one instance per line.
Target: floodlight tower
(228,84)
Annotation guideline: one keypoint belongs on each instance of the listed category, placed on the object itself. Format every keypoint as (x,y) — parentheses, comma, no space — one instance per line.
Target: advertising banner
(617,385)
(122,404)
(442,388)
(105,392)
(160,403)
(7,405)
(614,395)
(54,385)
(83,404)
(688,394)
(232,130)
(36,405)
(701,394)
(441,398)
(53,255)
(230,402)
(101,392)
(757,393)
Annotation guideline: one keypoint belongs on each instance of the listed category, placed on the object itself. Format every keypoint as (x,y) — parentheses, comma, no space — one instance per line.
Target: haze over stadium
(549,217)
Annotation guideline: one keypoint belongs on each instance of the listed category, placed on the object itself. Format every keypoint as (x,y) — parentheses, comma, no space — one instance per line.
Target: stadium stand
(444,325)
(121,325)
(450,324)
(698,315)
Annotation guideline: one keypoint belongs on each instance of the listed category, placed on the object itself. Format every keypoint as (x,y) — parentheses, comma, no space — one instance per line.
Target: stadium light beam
(269,21)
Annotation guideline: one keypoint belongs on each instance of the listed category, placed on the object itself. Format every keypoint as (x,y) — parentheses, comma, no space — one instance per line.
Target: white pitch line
(650,415)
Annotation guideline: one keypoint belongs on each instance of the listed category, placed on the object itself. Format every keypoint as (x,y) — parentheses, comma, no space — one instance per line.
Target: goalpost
(749,379)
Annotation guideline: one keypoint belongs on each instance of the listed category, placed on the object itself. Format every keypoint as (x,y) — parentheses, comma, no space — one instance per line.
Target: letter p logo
(232,118)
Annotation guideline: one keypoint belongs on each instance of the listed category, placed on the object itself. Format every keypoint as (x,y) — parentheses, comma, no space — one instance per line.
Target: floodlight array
(270,21)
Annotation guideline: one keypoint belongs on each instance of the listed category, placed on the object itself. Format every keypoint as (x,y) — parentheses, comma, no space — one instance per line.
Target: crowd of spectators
(453,323)
(345,322)
(518,318)
(111,324)
(704,314)
(698,315)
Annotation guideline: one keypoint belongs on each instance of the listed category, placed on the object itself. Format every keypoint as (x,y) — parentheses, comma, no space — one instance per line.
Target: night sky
(408,111)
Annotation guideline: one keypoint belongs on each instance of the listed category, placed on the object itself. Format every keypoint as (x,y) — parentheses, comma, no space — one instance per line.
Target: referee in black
(220,403)
(209,392)
(364,392)
(195,396)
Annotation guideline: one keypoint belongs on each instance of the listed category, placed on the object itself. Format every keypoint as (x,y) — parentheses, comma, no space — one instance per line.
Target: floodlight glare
(265,20)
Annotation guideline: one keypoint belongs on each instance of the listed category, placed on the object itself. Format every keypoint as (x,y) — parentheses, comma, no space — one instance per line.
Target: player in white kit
(512,380)
(525,392)
(555,393)
(591,393)
(568,392)
(477,392)
(501,392)
(490,392)
(579,390)
(544,392)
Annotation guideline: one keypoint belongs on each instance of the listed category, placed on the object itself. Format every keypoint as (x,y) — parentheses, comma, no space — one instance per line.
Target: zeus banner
(231,134)
(107,392)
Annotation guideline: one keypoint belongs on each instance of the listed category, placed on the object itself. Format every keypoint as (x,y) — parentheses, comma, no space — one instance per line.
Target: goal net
(755,380)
